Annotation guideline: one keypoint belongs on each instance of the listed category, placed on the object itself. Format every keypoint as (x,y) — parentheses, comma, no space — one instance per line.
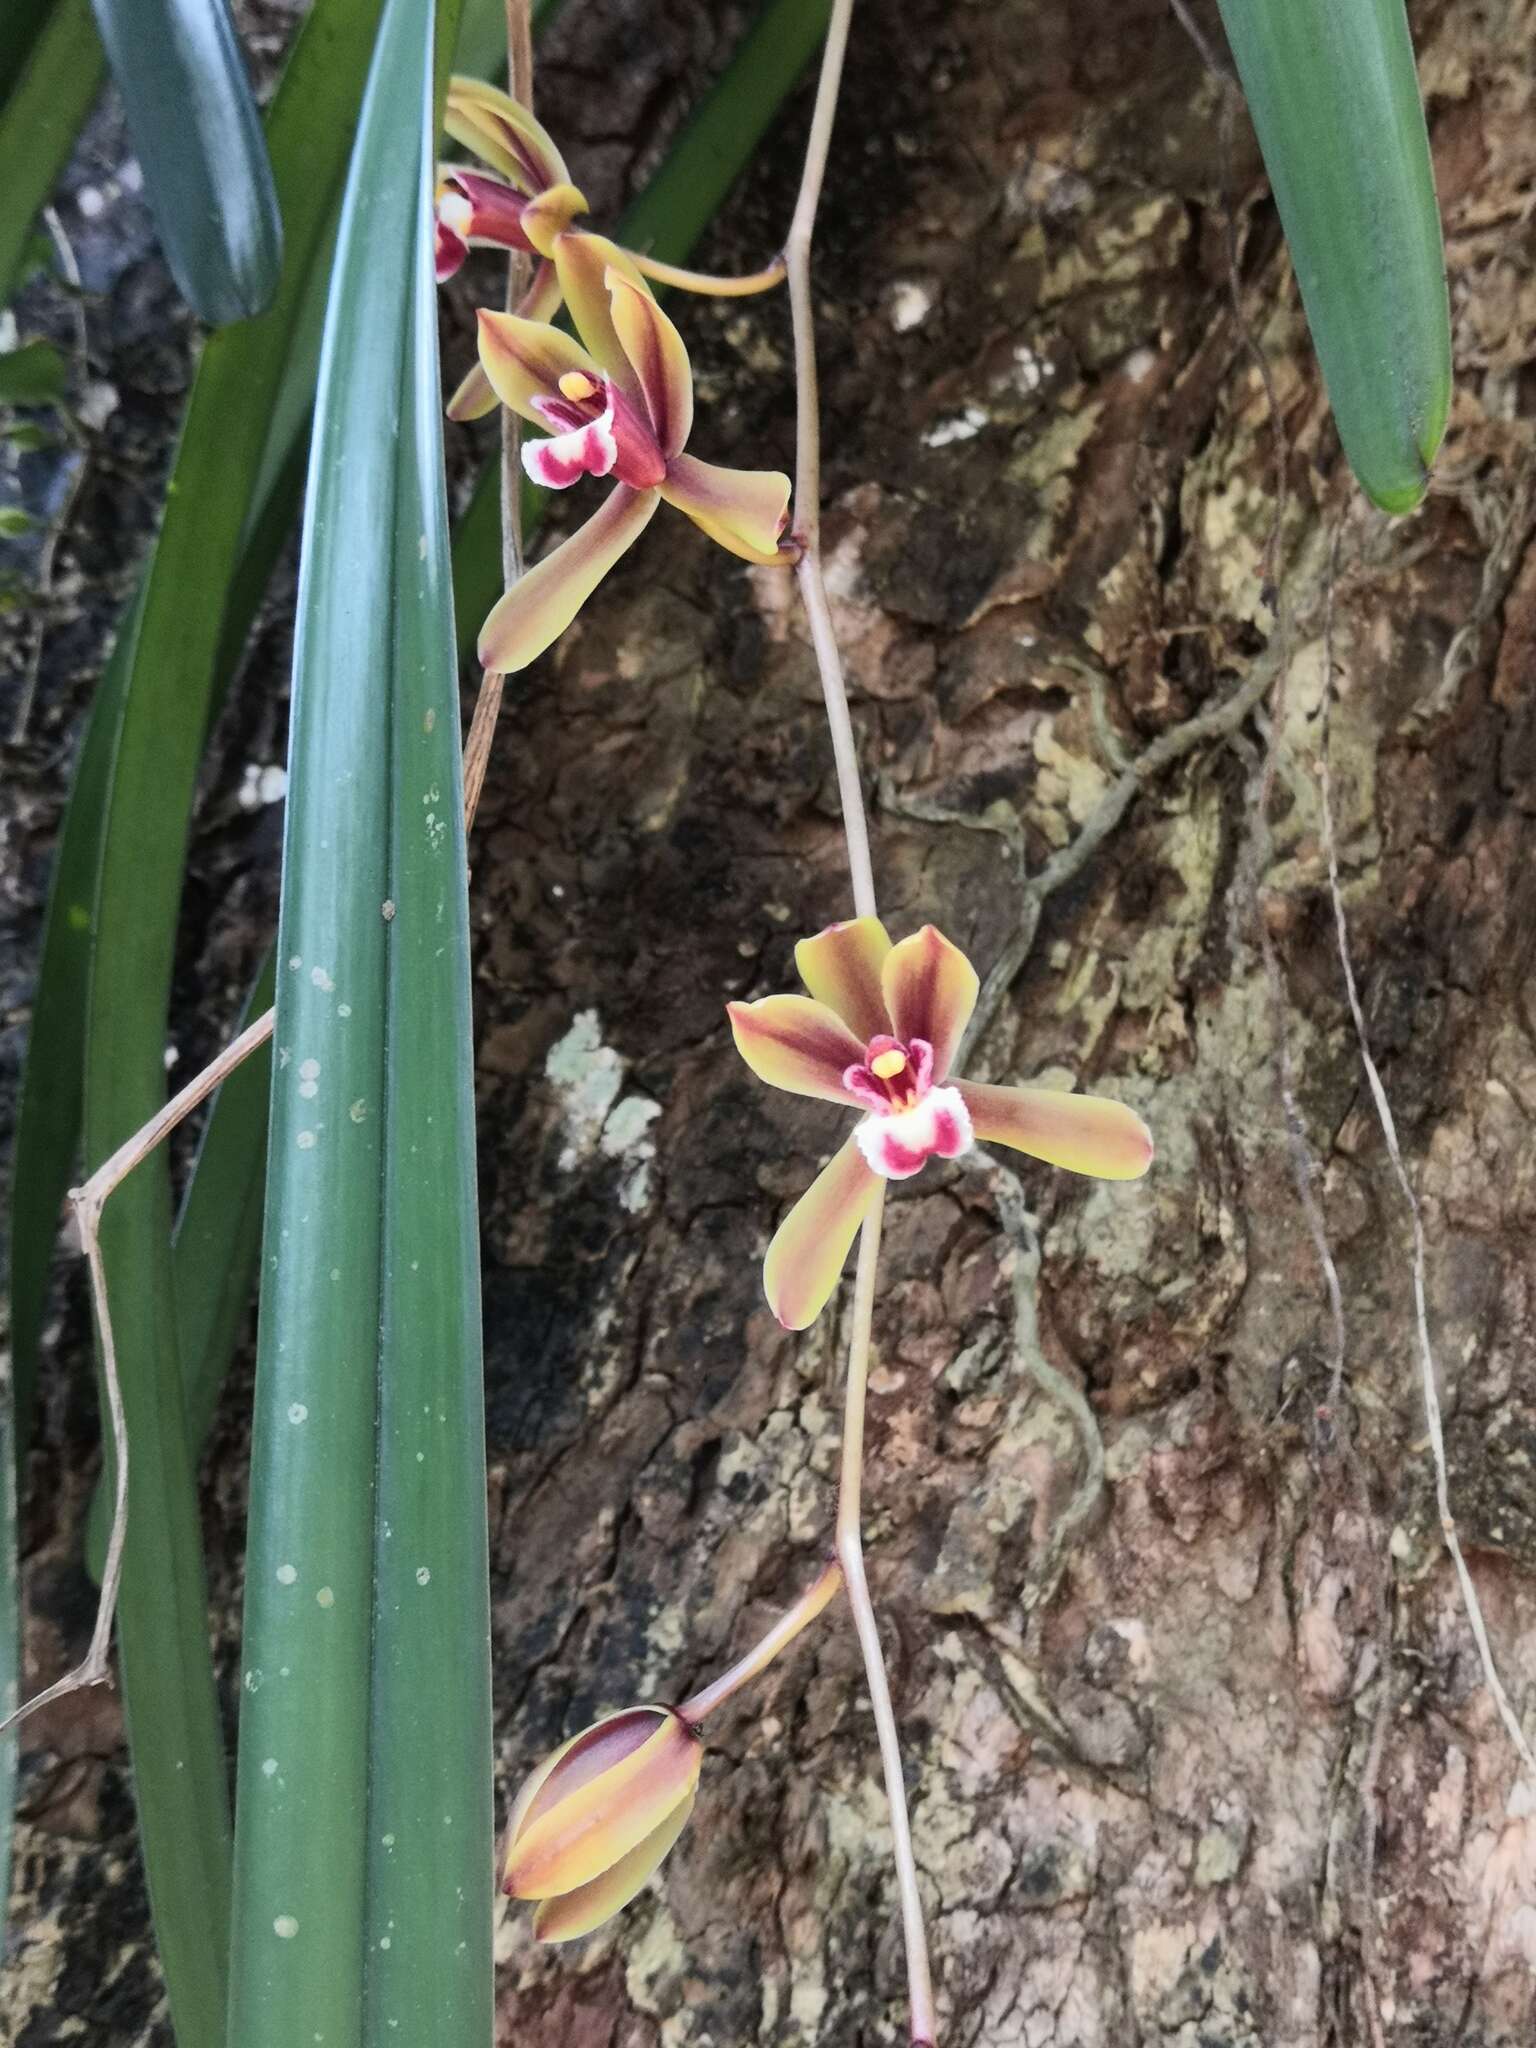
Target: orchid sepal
(503,133)
(743,510)
(811,1246)
(542,603)
(1088,1134)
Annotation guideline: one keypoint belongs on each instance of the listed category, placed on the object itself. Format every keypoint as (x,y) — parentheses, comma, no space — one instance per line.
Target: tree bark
(1200,1751)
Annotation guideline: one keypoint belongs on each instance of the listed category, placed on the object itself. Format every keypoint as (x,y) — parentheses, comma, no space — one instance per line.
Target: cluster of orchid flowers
(617,403)
(880,1025)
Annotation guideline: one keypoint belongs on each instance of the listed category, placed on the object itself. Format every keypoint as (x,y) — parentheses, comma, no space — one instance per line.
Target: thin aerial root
(1388,1125)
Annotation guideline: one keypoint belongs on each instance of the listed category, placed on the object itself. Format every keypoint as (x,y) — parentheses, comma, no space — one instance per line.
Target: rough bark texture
(1214,1767)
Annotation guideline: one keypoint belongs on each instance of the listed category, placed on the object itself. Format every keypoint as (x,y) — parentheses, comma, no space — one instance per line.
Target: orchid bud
(597,1817)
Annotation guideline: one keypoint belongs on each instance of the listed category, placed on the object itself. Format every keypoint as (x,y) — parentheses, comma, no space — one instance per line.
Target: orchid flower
(620,406)
(528,208)
(878,1032)
(596,1818)
(525,207)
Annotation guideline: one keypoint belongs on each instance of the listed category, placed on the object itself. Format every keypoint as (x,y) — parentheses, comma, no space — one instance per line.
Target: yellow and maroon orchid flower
(530,203)
(620,406)
(596,1818)
(878,1032)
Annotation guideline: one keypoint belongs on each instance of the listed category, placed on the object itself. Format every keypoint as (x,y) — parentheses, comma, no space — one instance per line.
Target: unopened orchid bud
(597,1817)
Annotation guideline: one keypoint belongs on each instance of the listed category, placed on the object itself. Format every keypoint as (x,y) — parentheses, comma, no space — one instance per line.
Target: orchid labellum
(878,1032)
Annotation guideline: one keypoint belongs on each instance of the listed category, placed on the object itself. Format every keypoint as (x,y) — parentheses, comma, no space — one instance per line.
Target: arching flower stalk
(881,1024)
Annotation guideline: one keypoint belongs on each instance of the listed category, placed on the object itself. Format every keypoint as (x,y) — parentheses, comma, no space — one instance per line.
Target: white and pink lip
(596,432)
(910,1120)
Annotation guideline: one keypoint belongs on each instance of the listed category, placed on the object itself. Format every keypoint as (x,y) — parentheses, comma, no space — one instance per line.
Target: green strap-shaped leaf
(59,78)
(10,1638)
(363,1852)
(173,1723)
(214,1285)
(21,23)
(234,487)
(1335,100)
(180,69)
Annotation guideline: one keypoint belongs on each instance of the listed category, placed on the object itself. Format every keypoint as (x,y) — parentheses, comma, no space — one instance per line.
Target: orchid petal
(529,157)
(525,360)
(581,1911)
(474,398)
(485,210)
(542,603)
(930,991)
(798,1045)
(546,218)
(658,358)
(811,1246)
(1083,1133)
(841,968)
(584,262)
(743,509)
(585,1832)
(579,1759)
